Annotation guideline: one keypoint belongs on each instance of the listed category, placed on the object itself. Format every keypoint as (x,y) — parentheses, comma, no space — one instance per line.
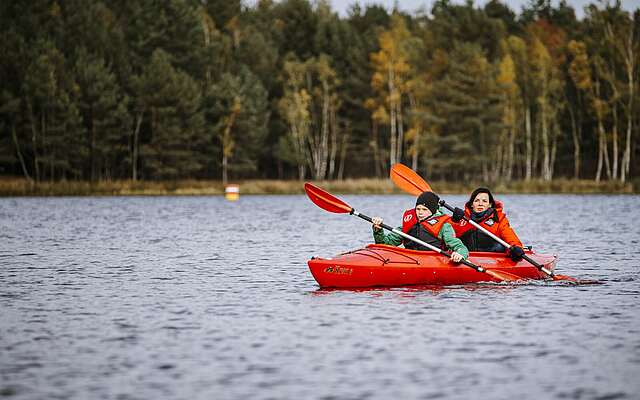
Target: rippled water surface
(200,298)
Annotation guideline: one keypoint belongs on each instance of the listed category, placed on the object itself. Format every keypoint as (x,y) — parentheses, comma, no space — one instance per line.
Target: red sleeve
(507,234)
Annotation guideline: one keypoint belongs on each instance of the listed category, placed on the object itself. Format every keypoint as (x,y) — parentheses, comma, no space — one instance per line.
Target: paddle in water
(329,202)
(409,181)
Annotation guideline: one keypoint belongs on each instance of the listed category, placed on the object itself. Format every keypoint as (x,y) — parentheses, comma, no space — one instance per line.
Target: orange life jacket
(426,230)
(476,240)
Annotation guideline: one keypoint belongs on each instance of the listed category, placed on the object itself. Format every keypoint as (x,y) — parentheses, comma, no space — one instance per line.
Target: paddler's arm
(448,236)
(506,232)
(390,238)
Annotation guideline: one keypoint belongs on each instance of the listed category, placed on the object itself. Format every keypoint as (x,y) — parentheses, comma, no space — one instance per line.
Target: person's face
(422,212)
(481,202)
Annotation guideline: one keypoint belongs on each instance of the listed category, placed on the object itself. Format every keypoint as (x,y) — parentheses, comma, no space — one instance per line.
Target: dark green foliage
(499,10)
(250,124)
(171,101)
(296,24)
(103,106)
(467,113)
(52,114)
(464,23)
(120,89)
(223,12)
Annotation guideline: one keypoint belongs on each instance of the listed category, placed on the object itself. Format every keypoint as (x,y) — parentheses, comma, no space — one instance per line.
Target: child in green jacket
(425,222)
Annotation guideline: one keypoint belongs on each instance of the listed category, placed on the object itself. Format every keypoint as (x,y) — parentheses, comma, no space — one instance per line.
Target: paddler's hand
(458,215)
(377,222)
(516,253)
(456,257)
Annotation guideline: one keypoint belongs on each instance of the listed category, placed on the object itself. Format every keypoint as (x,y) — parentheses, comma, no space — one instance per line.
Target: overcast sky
(341,6)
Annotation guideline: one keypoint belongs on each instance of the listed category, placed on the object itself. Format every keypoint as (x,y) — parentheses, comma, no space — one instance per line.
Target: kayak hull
(383,265)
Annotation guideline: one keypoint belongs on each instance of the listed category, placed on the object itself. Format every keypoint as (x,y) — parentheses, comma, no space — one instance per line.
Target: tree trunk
(374,148)
(626,158)
(324,141)
(92,149)
(625,45)
(227,141)
(343,155)
(483,151)
(575,134)
(605,153)
(225,161)
(528,158)
(416,139)
(45,149)
(511,146)
(545,143)
(630,61)
(554,148)
(414,156)
(136,136)
(392,139)
(334,141)
(34,142)
(19,153)
(601,149)
(393,123)
(614,168)
(400,129)
(498,164)
(535,151)
(299,144)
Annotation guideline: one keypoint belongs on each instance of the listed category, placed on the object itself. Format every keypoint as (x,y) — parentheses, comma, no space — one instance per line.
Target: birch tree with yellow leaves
(512,105)
(583,71)
(621,34)
(323,150)
(390,66)
(294,107)
(546,49)
(517,49)
(309,106)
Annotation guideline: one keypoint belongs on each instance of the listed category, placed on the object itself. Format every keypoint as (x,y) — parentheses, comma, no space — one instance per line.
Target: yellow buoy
(232,192)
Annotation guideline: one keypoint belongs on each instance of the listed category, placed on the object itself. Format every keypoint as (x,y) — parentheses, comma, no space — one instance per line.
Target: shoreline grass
(10,187)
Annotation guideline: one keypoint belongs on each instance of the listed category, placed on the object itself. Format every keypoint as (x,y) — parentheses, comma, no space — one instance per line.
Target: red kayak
(382,265)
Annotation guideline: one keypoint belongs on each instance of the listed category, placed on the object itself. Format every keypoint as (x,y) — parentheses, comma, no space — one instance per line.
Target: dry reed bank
(22,187)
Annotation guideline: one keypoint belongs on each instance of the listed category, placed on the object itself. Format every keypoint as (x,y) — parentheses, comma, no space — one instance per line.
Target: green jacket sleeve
(448,235)
(390,238)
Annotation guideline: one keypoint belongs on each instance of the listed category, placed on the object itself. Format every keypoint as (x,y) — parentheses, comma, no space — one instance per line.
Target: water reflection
(188,297)
(408,291)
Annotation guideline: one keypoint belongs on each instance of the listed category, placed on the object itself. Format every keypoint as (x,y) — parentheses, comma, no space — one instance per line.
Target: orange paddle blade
(326,200)
(408,180)
(504,276)
(557,277)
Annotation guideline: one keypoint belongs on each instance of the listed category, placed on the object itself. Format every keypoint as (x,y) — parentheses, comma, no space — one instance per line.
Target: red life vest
(430,228)
(476,240)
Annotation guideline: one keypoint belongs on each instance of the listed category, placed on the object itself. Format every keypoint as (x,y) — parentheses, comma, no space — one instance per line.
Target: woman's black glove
(516,253)
(458,215)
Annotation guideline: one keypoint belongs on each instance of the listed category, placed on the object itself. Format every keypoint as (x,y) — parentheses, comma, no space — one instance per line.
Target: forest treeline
(217,89)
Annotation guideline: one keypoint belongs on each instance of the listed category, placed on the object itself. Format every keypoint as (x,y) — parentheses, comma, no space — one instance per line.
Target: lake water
(200,298)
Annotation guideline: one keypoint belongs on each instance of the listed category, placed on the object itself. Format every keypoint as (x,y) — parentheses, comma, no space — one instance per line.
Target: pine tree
(467,116)
(173,121)
(103,107)
(53,116)
(236,110)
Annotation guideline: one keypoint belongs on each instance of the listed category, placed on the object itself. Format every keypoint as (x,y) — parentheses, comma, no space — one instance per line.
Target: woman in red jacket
(486,212)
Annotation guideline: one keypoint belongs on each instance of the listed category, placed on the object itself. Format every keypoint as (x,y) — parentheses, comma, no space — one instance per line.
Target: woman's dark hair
(492,202)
